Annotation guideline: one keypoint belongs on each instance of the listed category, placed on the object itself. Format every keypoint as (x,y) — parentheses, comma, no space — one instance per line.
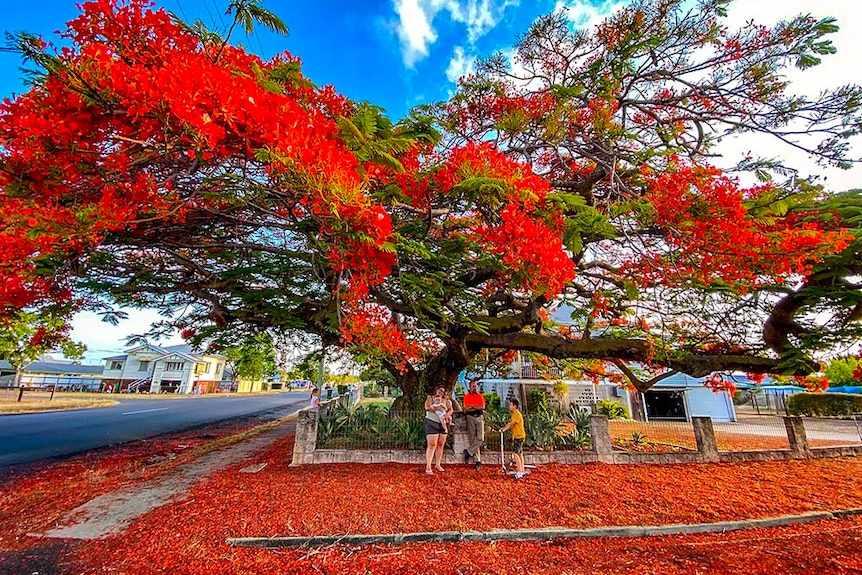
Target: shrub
(741,397)
(612,409)
(824,404)
(492,403)
(542,430)
(538,400)
(580,437)
(369,427)
(494,420)
(581,419)
(560,389)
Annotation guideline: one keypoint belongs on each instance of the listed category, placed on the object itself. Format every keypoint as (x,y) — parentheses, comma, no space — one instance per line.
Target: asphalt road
(32,437)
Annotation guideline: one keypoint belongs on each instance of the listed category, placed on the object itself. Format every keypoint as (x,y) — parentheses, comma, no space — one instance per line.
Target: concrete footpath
(111,513)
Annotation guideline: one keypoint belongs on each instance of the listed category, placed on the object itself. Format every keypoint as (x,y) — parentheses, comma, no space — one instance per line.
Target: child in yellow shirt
(519,434)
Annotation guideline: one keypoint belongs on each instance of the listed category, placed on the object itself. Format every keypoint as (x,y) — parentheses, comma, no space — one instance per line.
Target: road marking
(145,410)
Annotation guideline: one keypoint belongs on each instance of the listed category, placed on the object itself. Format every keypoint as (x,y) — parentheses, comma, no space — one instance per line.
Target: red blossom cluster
(718,384)
(532,251)
(714,237)
(138,102)
(370,328)
(813,384)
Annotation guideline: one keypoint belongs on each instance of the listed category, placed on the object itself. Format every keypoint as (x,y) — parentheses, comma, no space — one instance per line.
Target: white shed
(681,397)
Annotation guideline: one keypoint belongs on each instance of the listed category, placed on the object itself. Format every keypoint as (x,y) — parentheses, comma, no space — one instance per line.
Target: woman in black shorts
(435,435)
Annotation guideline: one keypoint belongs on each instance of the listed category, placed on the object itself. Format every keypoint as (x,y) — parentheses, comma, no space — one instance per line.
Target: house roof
(680,380)
(180,354)
(55,367)
(183,350)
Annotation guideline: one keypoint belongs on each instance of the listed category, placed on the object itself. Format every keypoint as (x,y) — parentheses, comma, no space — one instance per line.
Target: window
(202,367)
(116,365)
(144,365)
(218,368)
(174,366)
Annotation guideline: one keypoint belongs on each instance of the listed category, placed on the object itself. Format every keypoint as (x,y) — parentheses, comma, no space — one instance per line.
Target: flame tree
(154,164)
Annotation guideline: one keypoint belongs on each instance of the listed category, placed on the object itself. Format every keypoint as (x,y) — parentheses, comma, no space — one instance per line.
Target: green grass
(381,401)
(8,406)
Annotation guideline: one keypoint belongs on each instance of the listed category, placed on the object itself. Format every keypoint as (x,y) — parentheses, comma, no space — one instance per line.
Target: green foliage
(840,372)
(253,359)
(25,335)
(538,400)
(581,419)
(560,389)
(495,420)
(370,427)
(493,405)
(824,404)
(580,437)
(249,12)
(542,429)
(372,138)
(612,410)
(638,440)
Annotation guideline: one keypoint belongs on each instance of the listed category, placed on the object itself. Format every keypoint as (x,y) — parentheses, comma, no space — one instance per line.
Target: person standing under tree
(519,434)
(474,409)
(435,434)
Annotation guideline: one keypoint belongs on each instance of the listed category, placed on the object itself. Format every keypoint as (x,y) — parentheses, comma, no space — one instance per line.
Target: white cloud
(104,340)
(460,65)
(416,18)
(414,30)
(585,14)
(835,70)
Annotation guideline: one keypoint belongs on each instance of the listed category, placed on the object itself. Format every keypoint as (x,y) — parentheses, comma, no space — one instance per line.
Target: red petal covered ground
(188,537)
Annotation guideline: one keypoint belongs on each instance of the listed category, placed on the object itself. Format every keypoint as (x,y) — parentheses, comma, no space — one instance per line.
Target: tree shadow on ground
(53,558)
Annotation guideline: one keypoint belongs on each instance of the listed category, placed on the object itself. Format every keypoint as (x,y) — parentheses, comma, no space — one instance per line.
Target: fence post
(20,392)
(306,437)
(601,438)
(704,436)
(796,434)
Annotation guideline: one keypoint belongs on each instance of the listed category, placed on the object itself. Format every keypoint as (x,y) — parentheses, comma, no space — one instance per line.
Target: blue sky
(393,54)
(400,53)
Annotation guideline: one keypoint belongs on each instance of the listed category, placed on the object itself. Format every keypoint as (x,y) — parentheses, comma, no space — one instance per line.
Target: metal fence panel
(752,434)
(653,436)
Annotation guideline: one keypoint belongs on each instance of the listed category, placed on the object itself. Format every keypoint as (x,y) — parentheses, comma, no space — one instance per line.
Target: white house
(169,369)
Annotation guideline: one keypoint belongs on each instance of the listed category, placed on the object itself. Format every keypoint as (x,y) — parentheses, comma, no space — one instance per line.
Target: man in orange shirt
(474,408)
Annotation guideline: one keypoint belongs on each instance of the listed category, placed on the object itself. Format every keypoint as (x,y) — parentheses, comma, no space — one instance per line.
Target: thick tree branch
(631,350)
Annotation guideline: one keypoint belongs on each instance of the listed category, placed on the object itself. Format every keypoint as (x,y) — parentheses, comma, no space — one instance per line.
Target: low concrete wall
(305,450)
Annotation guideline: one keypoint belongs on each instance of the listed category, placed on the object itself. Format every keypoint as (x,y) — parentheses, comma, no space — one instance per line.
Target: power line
(217,11)
(183,12)
(257,37)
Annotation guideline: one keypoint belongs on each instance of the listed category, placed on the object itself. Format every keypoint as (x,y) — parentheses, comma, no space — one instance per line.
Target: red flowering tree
(155,164)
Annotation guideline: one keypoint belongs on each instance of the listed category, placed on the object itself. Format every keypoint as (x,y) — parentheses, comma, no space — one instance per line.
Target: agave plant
(543,429)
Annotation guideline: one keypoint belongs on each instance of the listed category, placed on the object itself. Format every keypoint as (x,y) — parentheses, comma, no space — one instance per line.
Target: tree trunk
(442,370)
(638,405)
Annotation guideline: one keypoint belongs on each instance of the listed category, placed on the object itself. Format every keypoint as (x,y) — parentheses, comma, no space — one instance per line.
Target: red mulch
(188,537)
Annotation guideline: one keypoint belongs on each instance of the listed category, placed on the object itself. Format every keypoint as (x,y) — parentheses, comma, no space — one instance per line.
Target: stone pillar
(460,439)
(306,437)
(601,438)
(704,436)
(796,434)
